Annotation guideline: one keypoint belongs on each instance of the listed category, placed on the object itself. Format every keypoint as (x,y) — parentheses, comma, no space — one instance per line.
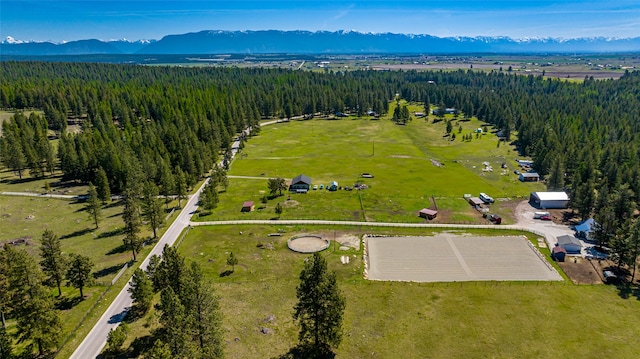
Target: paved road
(93,343)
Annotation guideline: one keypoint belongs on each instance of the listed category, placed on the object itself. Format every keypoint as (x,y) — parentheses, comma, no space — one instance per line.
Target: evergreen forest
(170,124)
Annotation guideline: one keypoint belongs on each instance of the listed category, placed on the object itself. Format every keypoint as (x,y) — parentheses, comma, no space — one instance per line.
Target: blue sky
(52,20)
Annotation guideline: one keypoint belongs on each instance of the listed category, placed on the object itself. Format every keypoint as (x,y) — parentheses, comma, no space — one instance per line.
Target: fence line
(124,268)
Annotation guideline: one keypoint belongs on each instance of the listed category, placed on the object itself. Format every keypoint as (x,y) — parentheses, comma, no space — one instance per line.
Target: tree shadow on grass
(308,351)
(226,273)
(111,233)
(81,232)
(67,303)
(119,249)
(140,345)
(107,271)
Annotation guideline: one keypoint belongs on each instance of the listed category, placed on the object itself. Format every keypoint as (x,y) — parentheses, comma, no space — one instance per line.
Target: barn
(529,177)
(548,200)
(570,243)
(300,183)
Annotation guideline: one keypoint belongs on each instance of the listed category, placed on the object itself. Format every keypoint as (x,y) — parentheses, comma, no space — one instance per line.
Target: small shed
(428,213)
(549,199)
(570,243)
(529,177)
(475,201)
(301,182)
(247,206)
(558,253)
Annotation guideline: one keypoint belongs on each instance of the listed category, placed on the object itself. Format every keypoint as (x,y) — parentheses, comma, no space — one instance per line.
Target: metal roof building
(549,200)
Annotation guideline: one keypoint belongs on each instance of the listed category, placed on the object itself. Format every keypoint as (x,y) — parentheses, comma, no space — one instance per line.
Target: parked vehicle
(539,215)
(495,219)
(545,218)
(486,198)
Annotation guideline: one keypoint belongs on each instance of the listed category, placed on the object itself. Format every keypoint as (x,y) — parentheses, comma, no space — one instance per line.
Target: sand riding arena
(454,258)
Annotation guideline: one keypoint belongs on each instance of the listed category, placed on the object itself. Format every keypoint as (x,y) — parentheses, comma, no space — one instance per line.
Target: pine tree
(53,263)
(232,260)
(278,209)
(141,291)
(93,205)
(173,320)
(79,272)
(5,295)
(181,186)
(36,320)
(202,313)
(152,207)
(116,338)
(5,344)
(132,223)
(320,306)
(160,350)
(102,186)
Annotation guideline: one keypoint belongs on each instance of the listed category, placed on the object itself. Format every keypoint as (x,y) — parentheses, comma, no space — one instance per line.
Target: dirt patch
(583,271)
(291,203)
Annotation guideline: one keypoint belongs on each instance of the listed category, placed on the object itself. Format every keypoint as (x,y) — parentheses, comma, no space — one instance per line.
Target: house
(558,253)
(584,230)
(428,213)
(247,206)
(333,186)
(549,200)
(529,177)
(300,184)
(570,243)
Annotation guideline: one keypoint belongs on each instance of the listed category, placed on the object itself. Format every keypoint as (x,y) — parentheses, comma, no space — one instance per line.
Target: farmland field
(411,164)
(382,319)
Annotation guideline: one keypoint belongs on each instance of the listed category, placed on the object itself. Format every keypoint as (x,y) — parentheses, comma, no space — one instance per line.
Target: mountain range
(319,42)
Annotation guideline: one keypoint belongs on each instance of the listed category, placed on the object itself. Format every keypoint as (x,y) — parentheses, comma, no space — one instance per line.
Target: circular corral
(308,243)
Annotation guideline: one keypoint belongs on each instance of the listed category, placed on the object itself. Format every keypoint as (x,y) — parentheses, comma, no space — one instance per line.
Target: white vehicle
(538,215)
(486,198)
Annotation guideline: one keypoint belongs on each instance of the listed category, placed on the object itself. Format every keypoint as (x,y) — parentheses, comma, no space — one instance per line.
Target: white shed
(549,200)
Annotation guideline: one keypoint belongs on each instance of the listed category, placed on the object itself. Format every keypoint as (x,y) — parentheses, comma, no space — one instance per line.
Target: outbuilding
(570,243)
(428,213)
(247,206)
(300,183)
(475,201)
(529,177)
(549,200)
(558,253)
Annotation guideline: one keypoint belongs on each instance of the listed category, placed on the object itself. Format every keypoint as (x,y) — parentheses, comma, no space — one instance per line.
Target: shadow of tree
(119,249)
(111,233)
(226,273)
(66,303)
(81,232)
(106,271)
(308,351)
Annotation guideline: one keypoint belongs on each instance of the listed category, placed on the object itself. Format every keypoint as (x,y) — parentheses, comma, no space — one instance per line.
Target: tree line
(167,125)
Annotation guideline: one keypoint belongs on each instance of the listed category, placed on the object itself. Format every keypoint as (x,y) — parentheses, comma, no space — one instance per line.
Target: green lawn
(383,319)
(401,158)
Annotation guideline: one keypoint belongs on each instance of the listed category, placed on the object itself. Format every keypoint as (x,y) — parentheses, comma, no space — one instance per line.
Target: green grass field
(383,319)
(30,216)
(401,158)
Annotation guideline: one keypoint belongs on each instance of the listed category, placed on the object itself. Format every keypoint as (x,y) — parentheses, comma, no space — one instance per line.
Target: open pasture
(412,165)
(436,320)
